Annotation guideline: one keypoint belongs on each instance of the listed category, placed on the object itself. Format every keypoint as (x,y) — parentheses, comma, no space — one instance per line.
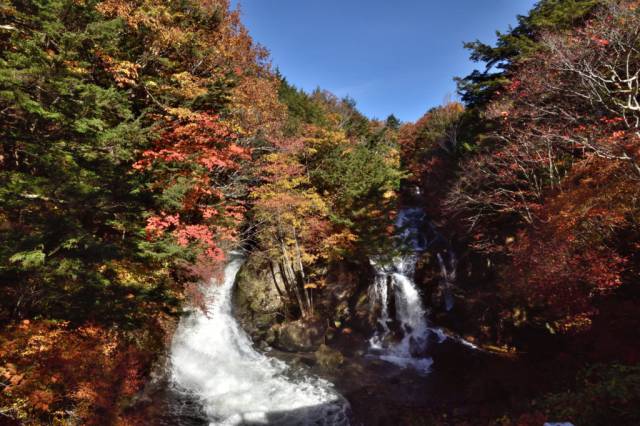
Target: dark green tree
(516,45)
(69,136)
(392,122)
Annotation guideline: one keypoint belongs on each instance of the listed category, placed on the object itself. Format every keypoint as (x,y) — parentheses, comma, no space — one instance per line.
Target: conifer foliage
(140,141)
(125,130)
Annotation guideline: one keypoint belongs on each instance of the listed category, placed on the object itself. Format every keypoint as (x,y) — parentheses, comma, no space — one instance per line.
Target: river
(405,370)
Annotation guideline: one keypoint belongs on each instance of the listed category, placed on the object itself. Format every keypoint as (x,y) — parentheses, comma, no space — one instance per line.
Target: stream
(217,377)
(214,362)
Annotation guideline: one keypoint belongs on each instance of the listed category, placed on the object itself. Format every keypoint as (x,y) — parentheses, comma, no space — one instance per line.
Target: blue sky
(390,56)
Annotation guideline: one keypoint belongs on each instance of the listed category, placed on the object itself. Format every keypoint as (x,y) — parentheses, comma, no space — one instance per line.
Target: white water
(411,314)
(448,277)
(412,317)
(379,292)
(213,360)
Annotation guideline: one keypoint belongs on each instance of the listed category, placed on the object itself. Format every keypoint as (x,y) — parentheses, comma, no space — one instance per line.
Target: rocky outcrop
(342,306)
(347,293)
(257,303)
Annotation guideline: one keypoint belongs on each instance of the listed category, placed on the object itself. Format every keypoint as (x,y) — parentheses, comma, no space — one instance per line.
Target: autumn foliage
(324,191)
(196,155)
(141,140)
(535,183)
(50,368)
(543,184)
(127,129)
(539,197)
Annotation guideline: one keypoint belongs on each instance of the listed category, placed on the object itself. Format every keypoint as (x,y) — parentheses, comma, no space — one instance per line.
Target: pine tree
(516,45)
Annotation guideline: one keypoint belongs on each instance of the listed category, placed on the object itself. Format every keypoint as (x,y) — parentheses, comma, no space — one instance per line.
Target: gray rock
(257,303)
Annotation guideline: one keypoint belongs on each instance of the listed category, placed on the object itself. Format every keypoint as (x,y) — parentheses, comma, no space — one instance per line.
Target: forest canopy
(144,140)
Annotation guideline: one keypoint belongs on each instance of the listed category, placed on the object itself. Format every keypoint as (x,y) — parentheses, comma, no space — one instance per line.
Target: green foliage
(28,259)
(302,109)
(392,122)
(517,45)
(604,394)
(360,182)
(69,136)
(322,109)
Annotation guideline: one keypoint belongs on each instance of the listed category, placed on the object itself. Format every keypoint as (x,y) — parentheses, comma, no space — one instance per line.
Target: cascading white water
(213,360)
(379,293)
(410,311)
(411,314)
(448,277)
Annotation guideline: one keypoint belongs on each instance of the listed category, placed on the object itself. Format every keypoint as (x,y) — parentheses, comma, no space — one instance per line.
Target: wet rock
(346,295)
(328,358)
(271,336)
(364,318)
(342,313)
(298,336)
(418,347)
(307,361)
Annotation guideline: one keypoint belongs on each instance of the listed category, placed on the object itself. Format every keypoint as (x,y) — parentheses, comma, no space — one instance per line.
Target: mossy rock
(299,336)
(328,358)
(257,303)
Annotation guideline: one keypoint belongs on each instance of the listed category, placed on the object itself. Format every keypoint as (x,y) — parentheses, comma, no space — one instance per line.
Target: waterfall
(448,277)
(379,293)
(214,362)
(411,314)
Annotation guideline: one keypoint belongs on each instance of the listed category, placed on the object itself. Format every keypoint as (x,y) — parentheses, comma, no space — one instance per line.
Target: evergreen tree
(516,45)
(392,122)
(69,136)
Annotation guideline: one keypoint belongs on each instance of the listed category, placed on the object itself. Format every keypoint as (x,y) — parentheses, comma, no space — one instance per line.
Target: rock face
(257,303)
(347,295)
(342,304)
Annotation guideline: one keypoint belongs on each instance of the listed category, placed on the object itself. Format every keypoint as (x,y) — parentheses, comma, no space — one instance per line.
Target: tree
(549,178)
(190,163)
(392,122)
(361,181)
(69,136)
(127,132)
(291,224)
(516,45)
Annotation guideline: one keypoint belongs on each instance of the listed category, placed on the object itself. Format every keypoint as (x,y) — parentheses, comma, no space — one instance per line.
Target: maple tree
(126,128)
(548,185)
(190,163)
(141,140)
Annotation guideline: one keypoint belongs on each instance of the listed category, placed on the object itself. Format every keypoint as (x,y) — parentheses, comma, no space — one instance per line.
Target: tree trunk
(286,298)
(302,278)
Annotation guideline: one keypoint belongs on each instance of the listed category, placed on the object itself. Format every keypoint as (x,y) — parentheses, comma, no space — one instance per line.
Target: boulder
(298,336)
(257,303)
(328,358)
